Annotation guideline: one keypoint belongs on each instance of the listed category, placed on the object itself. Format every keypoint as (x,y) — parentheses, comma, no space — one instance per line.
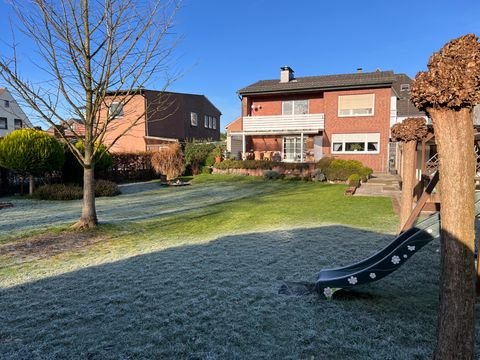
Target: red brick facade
(327,103)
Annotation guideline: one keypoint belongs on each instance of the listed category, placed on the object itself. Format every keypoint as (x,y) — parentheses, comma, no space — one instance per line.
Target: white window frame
(364,138)
(215,123)
(193,119)
(117,114)
(297,141)
(293,106)
(205,121)
(210,122)
(351,112)
(6,123)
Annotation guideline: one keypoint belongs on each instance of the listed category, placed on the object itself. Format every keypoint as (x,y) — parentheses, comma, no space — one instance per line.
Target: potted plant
(218,152)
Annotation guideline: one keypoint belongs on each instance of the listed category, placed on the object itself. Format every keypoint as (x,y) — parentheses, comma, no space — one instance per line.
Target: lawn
(193,273)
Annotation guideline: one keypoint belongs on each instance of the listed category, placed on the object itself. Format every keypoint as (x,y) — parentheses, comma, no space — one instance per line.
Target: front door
(317,147)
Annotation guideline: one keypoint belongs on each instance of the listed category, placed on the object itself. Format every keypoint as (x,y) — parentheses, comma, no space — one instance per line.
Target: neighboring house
(160,117)
(70,129)
(303,119)
(12,116)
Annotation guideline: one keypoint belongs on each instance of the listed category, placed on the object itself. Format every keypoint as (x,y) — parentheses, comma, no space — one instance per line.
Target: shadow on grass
(219,301)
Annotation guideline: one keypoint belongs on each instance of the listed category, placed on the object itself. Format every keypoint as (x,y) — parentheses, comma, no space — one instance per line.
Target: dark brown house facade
(150,119)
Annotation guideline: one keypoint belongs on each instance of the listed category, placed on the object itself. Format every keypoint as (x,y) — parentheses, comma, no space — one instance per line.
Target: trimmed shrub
(340,169)
(106,188)
(58,192)
(354,180)
(259,164)
(271,175)
(324,163)
(74,192)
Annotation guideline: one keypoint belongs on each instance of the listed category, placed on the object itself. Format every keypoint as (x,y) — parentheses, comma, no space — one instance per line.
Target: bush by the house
(106,188)
(354,180)
(324,163)
(340,170)
(271,175)
(130,167)
(259,164)
(196,153)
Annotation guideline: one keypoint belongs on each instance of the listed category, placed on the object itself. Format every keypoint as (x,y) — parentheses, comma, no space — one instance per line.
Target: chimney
(359,70)
(286,74)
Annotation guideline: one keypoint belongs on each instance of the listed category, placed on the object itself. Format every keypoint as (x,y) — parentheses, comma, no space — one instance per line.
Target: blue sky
(229,44)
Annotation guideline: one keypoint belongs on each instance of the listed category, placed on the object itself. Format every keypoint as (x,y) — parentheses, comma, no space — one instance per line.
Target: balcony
(283,123)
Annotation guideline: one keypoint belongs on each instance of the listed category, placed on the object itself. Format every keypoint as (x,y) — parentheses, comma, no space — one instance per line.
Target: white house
(12,116)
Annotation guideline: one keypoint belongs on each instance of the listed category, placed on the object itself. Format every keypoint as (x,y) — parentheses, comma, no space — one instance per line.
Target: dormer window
(405,87)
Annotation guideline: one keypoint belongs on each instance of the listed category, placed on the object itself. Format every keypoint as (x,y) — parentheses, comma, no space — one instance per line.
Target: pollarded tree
(90,53)
(31,152)
(448,91)
(409,131)
(169,161)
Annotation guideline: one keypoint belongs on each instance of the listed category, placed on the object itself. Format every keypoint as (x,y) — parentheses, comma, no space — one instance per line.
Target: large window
(356,105)
(193,118)
(115,110)
(215,123)
(355,143)
(3,123)
(295,107)
(292,148)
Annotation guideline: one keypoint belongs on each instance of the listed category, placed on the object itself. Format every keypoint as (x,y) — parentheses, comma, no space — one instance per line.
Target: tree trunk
(408,180)
(31,184)
(89,214)
(456,325)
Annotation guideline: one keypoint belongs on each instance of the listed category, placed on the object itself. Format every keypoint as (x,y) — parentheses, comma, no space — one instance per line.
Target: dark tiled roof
(325,82)
(404,106)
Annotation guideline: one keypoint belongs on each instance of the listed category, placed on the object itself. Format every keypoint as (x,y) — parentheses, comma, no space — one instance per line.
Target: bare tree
(92,52)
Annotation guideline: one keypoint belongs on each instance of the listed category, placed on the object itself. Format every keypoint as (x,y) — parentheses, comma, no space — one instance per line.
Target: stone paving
(382,185)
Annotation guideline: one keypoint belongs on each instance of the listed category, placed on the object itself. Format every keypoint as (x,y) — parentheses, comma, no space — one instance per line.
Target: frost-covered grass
(193,273)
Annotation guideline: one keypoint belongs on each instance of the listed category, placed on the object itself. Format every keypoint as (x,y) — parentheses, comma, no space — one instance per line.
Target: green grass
(197,278)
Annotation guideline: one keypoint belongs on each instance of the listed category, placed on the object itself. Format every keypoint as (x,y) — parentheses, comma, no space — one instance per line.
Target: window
(205,121)
(215,123)
(18,123)
(404,87)
(292,148)
(210,122)
(352,143)
(193,119)
(3,123)
(295,107)
(356,105)
(116,109)
(6,103)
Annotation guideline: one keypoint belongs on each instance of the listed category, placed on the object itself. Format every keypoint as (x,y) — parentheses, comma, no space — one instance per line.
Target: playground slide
(386,261)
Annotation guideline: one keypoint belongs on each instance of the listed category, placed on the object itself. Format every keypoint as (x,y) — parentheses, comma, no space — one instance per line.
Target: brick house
(160,117)
(302,119)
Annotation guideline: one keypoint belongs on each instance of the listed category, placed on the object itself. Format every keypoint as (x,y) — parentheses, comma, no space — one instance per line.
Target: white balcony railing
(306,122)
